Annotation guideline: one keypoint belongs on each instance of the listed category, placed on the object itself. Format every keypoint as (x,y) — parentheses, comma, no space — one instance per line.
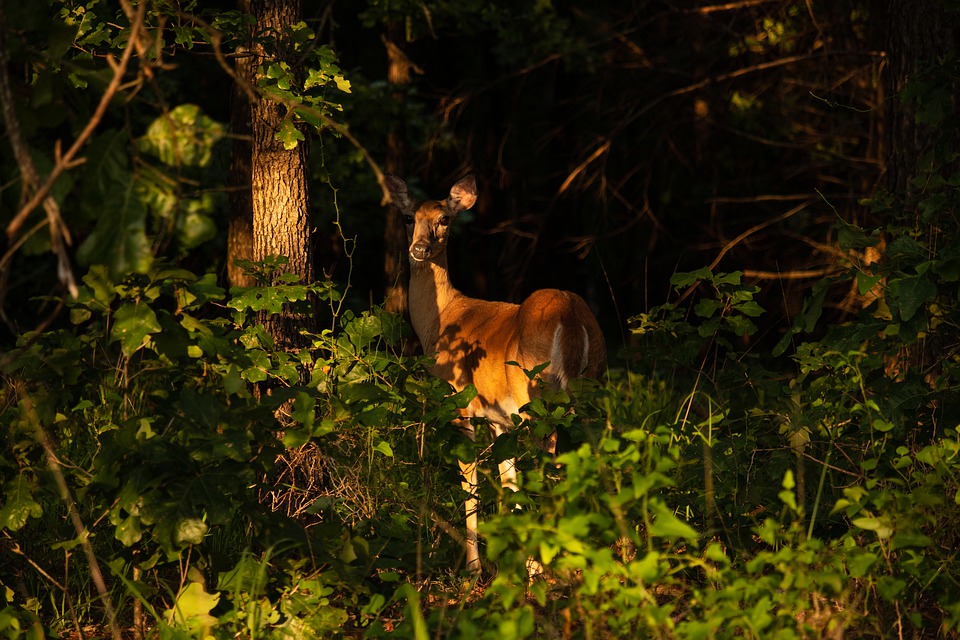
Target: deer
(481,342)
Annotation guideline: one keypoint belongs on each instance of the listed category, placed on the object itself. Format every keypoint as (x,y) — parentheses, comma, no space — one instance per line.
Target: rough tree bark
(921,33)
(279,195)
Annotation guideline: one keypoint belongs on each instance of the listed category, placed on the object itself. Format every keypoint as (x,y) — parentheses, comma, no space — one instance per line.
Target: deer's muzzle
(420,251)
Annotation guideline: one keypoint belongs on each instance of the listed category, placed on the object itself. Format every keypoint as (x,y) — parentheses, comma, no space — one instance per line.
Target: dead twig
(69,160)
(83,534)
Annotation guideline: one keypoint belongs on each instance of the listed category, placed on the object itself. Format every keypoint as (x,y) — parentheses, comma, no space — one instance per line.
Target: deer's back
(478,338)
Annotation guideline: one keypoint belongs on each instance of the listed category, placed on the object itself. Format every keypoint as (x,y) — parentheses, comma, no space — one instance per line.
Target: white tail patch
(473,339)
(557,365)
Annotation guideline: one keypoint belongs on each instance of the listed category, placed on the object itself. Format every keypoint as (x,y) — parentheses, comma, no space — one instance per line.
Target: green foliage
(726,482)
(149,397)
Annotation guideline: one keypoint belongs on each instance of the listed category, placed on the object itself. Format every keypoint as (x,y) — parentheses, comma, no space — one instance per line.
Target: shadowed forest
(215,417)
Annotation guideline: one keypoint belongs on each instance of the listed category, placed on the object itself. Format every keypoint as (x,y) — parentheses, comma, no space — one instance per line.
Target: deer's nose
(420,251)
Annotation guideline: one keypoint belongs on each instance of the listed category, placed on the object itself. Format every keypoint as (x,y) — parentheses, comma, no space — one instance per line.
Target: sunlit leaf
(192,608)
(132,323)
(19,505)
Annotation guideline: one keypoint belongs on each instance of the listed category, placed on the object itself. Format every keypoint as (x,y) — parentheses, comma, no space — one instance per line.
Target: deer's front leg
(468,471)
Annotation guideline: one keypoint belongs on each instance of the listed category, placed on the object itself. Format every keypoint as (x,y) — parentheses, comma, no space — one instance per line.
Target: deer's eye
(407,219)
(444,221)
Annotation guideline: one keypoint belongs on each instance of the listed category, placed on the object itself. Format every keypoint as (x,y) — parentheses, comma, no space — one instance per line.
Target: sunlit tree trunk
(279,197)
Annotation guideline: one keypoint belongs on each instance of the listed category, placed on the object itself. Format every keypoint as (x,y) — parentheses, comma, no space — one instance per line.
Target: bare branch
(67,160)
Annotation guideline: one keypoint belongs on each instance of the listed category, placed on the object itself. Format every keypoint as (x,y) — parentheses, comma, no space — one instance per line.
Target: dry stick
(59,233)
(743,236)
(730,6)
(82,533)
(66,160)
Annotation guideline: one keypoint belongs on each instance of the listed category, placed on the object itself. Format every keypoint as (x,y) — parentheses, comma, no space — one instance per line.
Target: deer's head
(428,221)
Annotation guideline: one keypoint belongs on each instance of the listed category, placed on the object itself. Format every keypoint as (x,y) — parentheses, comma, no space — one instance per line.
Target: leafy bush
(222,486)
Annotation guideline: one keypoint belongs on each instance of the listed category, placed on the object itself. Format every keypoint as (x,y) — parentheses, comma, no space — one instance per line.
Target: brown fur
(474,340)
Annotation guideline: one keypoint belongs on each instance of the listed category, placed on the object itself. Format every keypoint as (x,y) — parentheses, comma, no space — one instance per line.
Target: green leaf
(860,562)
(119,239)
(289,135)
(850,236)
(19,505)
(191,531)
(681,280)
(128,531)
(98,279)
(667,525)
(910,539)
(132,323)
(192,608)
(750,308)
(873,524)
(865,282)
(890,588)
(910,294)
(304,410)
(384,448)
(183,137)
(707,307)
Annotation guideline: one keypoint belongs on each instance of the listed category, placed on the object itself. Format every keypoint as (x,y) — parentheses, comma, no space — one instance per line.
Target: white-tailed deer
(474,340)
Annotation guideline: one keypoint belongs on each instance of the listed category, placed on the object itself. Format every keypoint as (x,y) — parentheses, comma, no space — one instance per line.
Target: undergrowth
(167,471)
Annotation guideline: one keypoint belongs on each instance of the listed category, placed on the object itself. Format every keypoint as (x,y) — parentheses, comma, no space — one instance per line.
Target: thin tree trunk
(395,266)
(240,230)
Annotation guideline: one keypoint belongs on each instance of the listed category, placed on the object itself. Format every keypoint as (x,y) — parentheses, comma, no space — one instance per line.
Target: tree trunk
(240,230)
(921,34)
(395,265)
(281,206)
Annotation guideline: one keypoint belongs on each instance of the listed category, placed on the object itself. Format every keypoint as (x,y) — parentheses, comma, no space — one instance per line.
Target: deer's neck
(430,293)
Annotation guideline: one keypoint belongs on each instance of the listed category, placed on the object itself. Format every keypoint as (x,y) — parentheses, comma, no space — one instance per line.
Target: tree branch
(67,160)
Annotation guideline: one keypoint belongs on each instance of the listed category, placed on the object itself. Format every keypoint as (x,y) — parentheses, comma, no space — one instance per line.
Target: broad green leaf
(734,277)
(384,447)
(183,137)
(850,236)
(294,438)
(132,323)
(865,282)
(909,539)
(646,569)
(859,562)
(910,294)
(19,505)
(194,225)
(304,409)
(191,531)
(874,524)
(666,525)
(98,279)
(128,531)
(119,239)
(890,588)
(681,280)
(707,307)
(192,608)
(948,269)
(750,308)
(289,135)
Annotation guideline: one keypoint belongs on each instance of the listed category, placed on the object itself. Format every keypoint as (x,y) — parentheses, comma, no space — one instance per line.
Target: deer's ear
(463,194)
(399,195)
